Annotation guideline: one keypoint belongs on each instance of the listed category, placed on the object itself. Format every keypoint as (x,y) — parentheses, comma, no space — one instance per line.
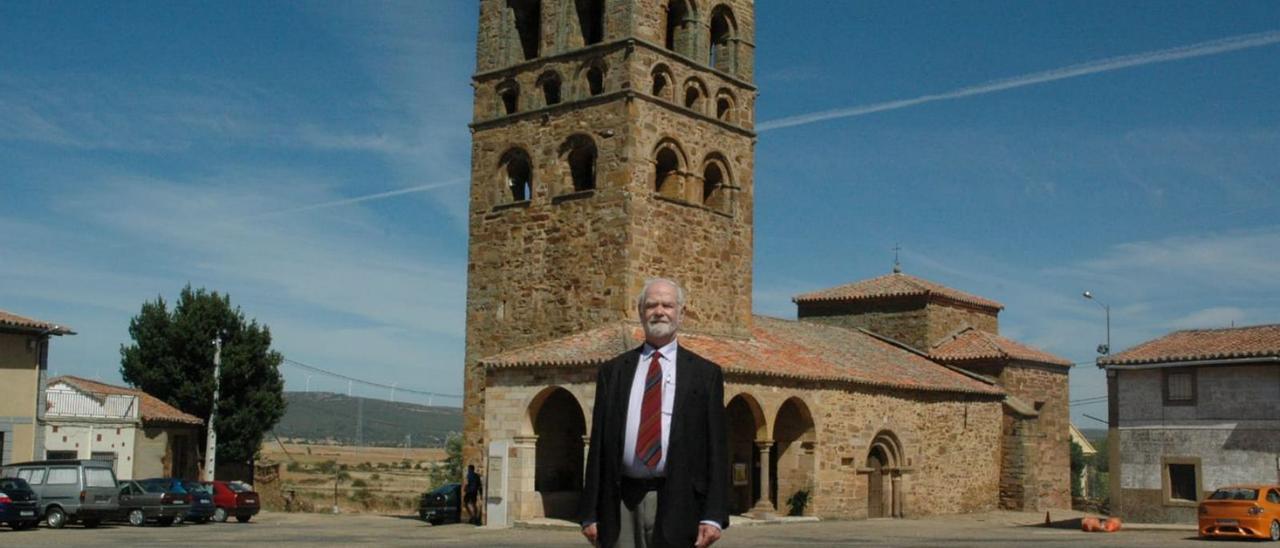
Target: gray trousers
(639,516)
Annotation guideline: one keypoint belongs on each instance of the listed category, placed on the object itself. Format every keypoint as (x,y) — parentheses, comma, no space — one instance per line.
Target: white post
(211,442)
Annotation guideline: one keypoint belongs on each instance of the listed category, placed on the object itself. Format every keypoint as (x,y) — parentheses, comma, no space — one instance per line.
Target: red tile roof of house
(1203,344)
(896,284)
(14,321)
(151,408)
(777,348)
(975,344)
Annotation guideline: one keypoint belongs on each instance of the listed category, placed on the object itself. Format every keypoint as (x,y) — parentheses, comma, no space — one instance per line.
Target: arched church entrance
(746,425)
(559,424)
(793,457)
(884,467)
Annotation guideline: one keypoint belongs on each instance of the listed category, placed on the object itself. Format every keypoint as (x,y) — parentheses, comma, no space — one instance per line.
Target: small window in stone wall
(579,152)
(724,109)
(595,81)
(1182,482)
(662,82)
(1180,386)
(550,84)
(527,17)
(509,94)
(590,20)
(517,172)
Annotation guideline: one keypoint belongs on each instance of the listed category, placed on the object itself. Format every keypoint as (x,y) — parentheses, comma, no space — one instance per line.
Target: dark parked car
(142,503)
(443,505)
(202,507)
(76,490)
(19,506)
(234,498)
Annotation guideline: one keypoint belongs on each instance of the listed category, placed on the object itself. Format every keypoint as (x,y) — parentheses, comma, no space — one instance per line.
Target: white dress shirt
(631,467)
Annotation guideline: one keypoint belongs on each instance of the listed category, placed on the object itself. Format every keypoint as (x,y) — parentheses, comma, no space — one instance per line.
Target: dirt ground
(368,479)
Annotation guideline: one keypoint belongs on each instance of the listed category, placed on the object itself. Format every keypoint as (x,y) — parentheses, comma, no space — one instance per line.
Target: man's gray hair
(650,282)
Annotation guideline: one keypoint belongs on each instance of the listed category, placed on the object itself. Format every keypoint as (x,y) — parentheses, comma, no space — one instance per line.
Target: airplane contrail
(1212,47)
(358,199)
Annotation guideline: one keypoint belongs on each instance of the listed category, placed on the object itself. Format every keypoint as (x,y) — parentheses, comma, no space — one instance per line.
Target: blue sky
(1132,149)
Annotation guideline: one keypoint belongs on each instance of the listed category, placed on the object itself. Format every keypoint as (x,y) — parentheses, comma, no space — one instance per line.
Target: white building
(143,436)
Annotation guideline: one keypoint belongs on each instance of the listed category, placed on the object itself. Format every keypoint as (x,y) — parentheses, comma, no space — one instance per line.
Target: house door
(875,485)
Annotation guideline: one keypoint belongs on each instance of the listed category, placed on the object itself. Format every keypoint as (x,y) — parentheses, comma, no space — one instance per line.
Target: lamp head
(1088,294)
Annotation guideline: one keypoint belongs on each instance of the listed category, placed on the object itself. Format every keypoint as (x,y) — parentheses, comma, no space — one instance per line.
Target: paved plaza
(279,530)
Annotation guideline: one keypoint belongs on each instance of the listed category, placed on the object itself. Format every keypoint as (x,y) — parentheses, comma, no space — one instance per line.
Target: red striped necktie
(649,437)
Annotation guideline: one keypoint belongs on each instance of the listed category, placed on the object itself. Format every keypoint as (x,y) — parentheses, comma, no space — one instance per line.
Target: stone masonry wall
(916,320)
(1046,388)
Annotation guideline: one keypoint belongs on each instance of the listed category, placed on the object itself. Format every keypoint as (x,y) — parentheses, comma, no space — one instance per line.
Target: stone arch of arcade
(794,444)
(557,424)
(769,460)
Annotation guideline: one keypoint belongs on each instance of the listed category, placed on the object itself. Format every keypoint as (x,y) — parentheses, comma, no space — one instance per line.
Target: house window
(1181,480)
(1180,386)
(60,455)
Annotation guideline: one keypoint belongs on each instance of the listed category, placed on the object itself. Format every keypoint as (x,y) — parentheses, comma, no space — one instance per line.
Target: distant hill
(325,416)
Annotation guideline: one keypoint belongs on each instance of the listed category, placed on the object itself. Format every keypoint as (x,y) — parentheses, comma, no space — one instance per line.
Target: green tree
(1078,463)
(171,358)
(450,468)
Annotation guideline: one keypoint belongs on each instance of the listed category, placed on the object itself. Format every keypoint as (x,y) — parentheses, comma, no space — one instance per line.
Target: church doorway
(746,423)
(559,424)
(884,467)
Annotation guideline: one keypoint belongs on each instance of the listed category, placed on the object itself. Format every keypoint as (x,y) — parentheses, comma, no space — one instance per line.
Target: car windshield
(99,477)
(1237,493)
(445,489)
(14,484)
(239,487)
(193,487)
(155,487)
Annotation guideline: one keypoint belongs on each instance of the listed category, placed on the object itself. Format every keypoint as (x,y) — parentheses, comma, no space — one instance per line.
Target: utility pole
(359,422)
(308,384)
(211,442)
(393,392)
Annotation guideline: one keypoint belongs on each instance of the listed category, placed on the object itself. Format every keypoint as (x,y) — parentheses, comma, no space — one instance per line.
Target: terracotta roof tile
(14,321)
(780,348)
(151,408)
(1203,344)
(975,344)
(894,285)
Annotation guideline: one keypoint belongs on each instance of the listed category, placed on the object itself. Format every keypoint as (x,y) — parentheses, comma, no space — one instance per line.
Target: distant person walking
(471,494)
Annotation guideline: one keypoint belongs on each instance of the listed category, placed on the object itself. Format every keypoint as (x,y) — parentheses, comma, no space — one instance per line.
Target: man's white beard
(659,329)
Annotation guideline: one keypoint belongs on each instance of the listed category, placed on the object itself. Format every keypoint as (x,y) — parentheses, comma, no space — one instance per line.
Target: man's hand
(590,532)
(707,535)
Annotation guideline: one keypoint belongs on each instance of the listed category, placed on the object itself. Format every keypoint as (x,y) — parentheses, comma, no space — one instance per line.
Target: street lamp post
(1103,349)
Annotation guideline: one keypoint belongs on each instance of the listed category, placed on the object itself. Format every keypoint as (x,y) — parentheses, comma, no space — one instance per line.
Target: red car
(234,498)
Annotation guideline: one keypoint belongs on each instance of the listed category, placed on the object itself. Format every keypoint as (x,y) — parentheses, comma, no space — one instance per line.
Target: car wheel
(243,519)
(90,523)
(220,515)
(55,518)
(1275,530)
(136,517)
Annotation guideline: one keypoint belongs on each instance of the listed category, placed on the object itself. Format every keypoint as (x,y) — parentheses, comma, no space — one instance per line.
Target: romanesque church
(612,142)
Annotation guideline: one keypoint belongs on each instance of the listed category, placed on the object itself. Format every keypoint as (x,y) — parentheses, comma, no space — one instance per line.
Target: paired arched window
(517,173)
(725,106)
(695,95)
(668,162)
(663,82)
(591,77)
(679,27)
(509,97)
(721,53)
(590,20)
(526,35)
(579,152)
(549,83)
(716,193)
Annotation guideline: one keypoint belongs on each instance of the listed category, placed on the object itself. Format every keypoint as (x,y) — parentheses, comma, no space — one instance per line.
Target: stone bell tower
(612,141)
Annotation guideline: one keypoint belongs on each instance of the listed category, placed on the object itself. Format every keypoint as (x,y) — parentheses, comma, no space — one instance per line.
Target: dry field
(384,480)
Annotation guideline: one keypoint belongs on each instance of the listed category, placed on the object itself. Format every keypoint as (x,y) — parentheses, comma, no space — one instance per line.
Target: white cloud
(1209,318)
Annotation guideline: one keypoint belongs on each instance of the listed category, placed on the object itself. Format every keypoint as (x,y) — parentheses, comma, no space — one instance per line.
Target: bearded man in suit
(657,469)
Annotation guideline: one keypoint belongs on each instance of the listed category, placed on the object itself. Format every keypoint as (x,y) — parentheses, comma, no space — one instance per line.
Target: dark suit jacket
(697,470)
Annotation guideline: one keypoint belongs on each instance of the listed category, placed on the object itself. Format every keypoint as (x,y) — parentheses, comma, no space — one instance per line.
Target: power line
(364,382)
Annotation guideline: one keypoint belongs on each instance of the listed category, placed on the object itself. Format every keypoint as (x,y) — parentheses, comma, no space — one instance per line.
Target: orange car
(1242,511)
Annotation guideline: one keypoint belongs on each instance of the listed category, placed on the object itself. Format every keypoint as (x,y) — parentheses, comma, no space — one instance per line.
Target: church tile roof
(151,408)
(776,348)
(896,284)
(1257,341)
(975,344)
(21,323)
